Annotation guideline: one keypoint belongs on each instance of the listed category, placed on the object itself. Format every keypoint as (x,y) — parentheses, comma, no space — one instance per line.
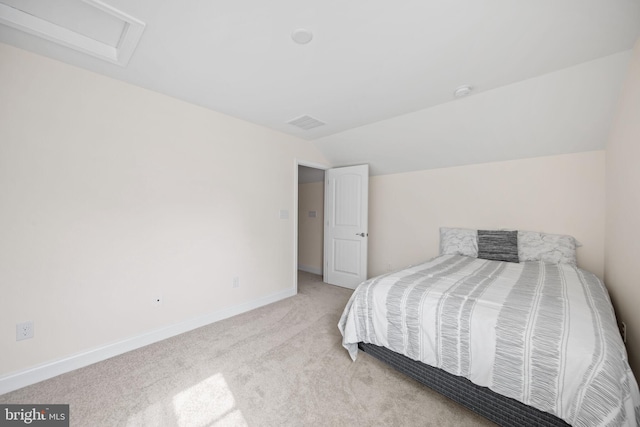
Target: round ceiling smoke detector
(302,36)
(462,91)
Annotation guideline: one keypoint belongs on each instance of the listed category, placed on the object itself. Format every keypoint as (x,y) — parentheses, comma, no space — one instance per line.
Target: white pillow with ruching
(458,241)
(552,248)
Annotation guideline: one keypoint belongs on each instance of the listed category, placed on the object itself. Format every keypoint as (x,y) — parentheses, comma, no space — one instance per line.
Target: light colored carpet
(280,365)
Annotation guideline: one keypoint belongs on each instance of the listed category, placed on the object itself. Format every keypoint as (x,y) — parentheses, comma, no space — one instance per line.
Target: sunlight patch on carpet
(210,402)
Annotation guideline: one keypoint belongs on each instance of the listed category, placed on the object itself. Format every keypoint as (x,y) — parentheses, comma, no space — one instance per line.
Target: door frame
(299,162)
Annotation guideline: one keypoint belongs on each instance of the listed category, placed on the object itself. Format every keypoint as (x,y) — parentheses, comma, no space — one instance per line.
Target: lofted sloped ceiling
(379,76)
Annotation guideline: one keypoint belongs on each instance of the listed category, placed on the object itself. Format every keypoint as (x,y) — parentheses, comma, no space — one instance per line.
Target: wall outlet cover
(24,330)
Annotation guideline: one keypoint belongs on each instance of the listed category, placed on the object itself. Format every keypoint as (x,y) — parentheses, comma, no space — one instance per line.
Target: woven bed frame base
(501,410)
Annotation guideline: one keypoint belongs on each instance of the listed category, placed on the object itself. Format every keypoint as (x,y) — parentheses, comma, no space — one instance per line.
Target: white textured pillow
(553,248)
(458,241)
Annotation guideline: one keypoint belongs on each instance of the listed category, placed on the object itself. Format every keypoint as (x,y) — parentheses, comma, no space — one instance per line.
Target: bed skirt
(501,410)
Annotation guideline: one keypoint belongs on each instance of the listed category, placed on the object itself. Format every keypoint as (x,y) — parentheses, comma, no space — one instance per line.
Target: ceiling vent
(306,122)
(89,26)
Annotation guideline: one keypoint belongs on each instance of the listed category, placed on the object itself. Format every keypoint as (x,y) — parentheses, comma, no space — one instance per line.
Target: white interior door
(346,207)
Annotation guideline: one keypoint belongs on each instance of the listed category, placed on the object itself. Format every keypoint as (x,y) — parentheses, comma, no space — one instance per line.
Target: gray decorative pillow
(553,248)
(498,245)
(458,241)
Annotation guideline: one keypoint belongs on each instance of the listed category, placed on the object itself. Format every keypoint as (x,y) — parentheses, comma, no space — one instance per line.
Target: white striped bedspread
(543,334)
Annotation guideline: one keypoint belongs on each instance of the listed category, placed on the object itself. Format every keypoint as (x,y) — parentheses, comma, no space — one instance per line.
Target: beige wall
(112,195)
(622,264)
(558,194)
(310,230)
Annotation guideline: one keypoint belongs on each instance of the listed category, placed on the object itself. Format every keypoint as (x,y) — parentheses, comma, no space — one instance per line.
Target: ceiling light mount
(462,91)
(302,36)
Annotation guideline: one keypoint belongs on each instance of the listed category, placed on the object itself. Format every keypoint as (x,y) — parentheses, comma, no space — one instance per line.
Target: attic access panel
(88,26)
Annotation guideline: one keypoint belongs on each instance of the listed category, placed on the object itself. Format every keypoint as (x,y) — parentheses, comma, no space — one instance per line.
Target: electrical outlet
(236,282)
(24,330)
(623,331)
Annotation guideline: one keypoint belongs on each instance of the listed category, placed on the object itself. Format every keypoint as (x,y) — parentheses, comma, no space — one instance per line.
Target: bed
(521,339)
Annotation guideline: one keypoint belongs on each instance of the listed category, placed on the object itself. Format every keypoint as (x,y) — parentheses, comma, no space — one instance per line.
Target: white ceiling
(369,60)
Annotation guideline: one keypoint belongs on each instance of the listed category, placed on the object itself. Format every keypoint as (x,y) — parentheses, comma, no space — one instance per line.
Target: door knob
(361,234)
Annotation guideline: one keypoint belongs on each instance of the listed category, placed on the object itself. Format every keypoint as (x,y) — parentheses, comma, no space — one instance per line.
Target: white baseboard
(35,374)
(309,269)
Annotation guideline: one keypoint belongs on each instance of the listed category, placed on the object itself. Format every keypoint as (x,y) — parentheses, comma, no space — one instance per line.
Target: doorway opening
(310,242)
